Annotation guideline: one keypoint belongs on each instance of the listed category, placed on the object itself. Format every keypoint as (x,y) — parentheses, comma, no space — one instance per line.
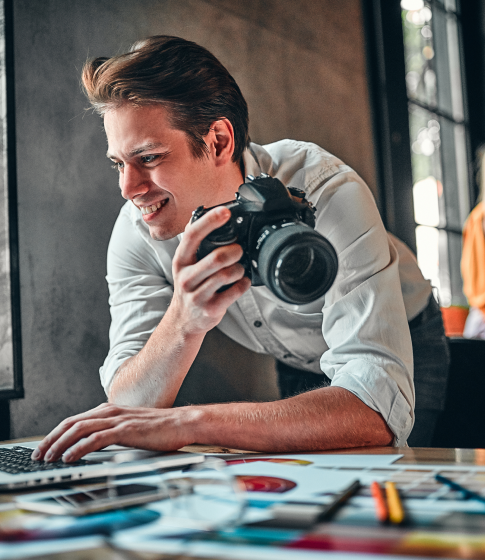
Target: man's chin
(159,234)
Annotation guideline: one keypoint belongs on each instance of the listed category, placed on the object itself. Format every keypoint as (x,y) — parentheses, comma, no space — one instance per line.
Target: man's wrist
(194,421)
(180,324)
(197,423)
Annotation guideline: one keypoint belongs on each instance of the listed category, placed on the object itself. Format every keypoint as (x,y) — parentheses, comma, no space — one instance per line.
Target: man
(177,130)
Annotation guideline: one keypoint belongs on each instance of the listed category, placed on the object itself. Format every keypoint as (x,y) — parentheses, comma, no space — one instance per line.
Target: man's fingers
(51,438)
(95,441)
(195,232)
(90,429)
(229,296)
(225,277)
(102,411)
(221,260)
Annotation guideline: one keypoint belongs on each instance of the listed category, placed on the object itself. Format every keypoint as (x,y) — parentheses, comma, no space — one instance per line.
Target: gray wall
(301,67)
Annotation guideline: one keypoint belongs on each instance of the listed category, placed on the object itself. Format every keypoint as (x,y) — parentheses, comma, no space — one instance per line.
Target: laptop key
(16,460)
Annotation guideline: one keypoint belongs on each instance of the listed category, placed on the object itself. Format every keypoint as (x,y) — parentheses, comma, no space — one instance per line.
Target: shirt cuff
(386,398)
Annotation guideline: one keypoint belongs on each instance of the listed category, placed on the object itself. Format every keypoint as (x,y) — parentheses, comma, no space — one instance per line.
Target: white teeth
(150,209)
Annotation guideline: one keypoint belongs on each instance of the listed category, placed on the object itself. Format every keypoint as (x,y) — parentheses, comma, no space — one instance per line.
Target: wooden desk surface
(415,455)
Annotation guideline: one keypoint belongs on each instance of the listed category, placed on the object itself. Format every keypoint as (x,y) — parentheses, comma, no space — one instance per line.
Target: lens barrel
(296,263)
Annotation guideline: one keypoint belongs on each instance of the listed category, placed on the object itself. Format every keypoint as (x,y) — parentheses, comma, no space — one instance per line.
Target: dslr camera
(275,228)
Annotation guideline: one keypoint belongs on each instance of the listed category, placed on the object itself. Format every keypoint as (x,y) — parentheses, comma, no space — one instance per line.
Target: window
(10,351)
(439,135)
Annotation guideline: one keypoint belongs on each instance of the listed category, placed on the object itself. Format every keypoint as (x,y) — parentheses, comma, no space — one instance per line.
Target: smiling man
(177,130)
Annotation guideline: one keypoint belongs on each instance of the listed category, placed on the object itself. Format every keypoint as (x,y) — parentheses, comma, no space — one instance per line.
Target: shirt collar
(257,160)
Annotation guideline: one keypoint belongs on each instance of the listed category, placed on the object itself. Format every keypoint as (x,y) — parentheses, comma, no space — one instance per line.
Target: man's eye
(118,165)
(148,159)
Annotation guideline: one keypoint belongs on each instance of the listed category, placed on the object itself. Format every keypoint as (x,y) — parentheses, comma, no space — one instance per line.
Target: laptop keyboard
(16,460)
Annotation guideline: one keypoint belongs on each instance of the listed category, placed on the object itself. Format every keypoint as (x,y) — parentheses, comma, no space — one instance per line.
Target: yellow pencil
(396,511)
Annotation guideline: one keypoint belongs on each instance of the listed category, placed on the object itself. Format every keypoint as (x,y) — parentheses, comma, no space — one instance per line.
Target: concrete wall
(299,63)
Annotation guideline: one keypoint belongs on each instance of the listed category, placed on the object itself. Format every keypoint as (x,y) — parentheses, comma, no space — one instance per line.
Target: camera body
(274,226)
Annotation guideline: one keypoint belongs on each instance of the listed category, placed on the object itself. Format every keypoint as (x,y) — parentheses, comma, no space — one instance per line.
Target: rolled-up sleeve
(364,319)
(139,292)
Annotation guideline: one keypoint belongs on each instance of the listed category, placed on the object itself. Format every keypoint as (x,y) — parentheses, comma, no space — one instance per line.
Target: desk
(411,456)
(416,455)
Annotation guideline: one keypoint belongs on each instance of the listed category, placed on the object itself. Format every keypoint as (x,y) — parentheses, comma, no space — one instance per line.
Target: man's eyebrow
(141,149)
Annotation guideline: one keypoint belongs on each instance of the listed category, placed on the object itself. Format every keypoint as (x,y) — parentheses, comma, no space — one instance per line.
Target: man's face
(157,170)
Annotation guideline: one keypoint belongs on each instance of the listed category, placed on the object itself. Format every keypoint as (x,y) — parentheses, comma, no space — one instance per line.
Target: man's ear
(220,141)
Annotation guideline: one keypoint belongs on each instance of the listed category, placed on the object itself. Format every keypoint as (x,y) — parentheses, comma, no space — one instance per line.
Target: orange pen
(380,503)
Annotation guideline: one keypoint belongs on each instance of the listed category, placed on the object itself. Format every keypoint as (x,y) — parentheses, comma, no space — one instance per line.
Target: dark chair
(462,423)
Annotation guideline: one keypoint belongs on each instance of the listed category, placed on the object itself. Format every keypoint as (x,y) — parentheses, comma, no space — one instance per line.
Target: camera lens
(303,260)
(297,263)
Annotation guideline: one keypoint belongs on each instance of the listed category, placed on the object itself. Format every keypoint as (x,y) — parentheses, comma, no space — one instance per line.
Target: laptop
(18,471)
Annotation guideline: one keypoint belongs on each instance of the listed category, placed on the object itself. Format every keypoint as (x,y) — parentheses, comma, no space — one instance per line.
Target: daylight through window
(439,140)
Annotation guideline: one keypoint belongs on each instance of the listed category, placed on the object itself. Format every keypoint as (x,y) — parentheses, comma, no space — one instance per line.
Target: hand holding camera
(274,226)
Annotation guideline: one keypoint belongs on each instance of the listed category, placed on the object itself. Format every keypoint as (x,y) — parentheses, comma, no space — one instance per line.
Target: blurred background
(393,88)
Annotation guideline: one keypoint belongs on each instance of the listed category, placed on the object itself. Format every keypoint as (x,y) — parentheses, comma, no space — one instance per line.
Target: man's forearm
(153,377)
(329,418)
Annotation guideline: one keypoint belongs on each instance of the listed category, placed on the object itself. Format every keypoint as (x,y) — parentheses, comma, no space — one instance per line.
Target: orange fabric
(473,258)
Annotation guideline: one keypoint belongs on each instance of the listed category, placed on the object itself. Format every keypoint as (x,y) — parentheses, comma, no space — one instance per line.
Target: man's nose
(133,182)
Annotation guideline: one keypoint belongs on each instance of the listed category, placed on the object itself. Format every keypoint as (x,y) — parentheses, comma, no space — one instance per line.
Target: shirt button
(257,324)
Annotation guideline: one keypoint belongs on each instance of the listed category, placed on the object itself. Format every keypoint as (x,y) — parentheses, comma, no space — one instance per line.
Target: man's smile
(152,208)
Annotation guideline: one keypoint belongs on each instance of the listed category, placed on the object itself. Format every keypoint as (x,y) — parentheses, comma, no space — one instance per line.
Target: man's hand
(107,424)
(153,377)
(196,300)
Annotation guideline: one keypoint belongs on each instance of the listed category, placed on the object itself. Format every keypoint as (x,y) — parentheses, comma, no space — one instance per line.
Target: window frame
(390,115)
(389,112)
(10,176)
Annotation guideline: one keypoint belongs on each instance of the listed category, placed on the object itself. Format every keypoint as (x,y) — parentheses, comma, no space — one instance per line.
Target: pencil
(339,500)
(467,494)
(396,511)
(382,511)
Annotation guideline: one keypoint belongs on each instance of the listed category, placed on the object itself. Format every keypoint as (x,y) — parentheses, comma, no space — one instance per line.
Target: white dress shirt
(357,333)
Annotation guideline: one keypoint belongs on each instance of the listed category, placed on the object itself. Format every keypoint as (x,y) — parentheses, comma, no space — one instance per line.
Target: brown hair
(180,75)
